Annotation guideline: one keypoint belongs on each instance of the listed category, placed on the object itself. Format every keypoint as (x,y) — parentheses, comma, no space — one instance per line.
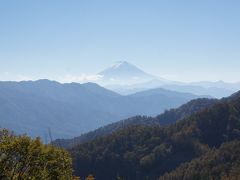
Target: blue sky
(181,40)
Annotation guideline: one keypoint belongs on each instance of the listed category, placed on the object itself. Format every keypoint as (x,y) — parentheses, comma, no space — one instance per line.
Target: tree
(24,158)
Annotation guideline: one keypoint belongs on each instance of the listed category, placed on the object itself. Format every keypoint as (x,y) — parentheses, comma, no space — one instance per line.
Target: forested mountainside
(172,115)
(222,163)
(68,110)
(145,152)
(168,117)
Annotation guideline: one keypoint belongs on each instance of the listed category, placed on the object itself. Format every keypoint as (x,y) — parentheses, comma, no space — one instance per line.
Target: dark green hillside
(222,163)
(142,152)
(196,105)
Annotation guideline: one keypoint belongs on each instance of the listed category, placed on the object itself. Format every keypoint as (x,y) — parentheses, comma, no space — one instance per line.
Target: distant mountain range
(67,110)
(125,78)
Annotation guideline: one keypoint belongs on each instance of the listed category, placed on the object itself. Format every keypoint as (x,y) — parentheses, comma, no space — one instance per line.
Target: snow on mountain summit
(119,64)
(125,69)
(124,73)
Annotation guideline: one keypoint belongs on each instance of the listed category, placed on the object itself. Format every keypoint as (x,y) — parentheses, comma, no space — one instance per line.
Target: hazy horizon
(85,78)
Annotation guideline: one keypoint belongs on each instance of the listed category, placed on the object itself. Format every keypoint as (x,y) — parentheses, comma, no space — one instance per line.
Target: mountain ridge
(71,109)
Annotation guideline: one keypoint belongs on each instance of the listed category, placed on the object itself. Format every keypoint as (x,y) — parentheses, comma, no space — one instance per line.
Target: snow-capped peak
(119,64)
(123,68)
(125,73)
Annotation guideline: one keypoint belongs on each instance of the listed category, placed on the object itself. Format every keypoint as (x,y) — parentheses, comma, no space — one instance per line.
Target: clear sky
(181,40)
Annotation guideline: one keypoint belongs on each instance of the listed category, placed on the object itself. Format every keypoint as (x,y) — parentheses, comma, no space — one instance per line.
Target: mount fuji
(124,73)
(125,78)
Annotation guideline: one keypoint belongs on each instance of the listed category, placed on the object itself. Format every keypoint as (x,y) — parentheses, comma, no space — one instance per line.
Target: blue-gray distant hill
(68,110)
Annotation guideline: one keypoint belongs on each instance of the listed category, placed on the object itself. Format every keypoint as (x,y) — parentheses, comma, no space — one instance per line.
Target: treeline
(148,152)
